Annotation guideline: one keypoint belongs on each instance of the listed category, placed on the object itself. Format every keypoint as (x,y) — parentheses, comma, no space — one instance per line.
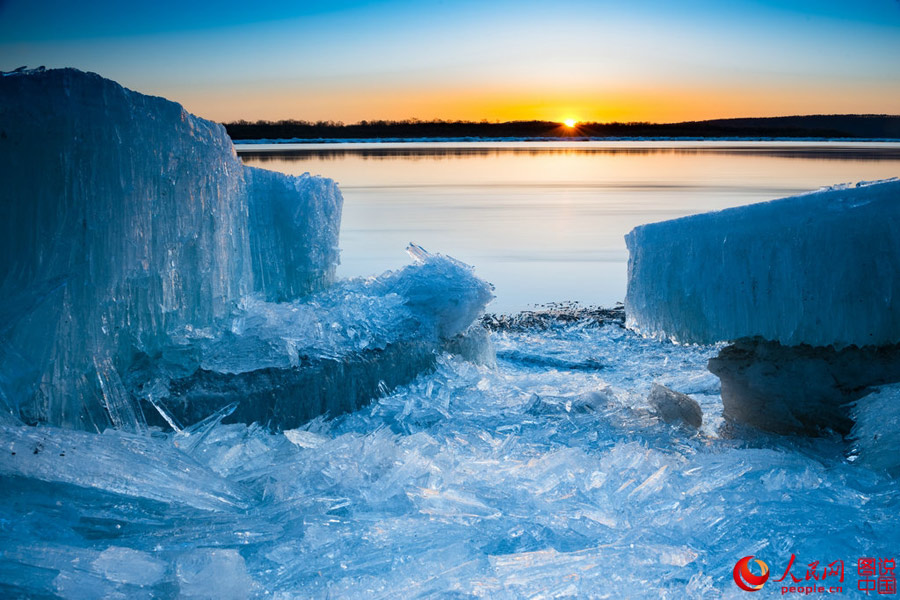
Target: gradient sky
(599,61)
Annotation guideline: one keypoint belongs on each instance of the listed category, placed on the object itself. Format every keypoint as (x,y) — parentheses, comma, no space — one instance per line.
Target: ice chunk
(122,218)
(821,269)
(442,289)
(156,267)
(123,410)
(474,344)
(126,565)
(213,574)
(332,353)
(294,223)
(675,407)
(305,439)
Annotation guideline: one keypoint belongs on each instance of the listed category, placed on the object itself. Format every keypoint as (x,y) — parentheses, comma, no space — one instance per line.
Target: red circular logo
(746,580)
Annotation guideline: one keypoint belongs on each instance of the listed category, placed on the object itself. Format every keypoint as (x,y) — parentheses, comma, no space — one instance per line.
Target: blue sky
(349,60)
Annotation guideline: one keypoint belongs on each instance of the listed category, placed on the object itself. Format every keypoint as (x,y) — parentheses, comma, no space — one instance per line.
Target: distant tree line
(815,126)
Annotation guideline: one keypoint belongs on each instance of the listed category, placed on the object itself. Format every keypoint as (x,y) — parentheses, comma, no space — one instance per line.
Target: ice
(519,480)
(293,227)
(329,353)
(124,413)
(88,460)
(124,565)
(147,276)
(305,439)
(439,291)
(804,287)
(818,269)
(123,217)
(162,294)
(799,389)
(213,574)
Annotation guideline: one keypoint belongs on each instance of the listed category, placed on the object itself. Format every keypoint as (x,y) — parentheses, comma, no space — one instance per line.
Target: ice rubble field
(540,477)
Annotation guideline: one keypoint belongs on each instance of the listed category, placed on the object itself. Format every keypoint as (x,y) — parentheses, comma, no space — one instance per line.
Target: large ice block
(123,218)
(820,269)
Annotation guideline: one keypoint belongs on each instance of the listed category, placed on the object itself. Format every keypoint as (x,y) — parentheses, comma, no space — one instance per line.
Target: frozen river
(545,221)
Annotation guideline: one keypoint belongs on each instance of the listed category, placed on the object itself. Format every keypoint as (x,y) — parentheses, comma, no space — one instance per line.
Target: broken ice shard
(123,463)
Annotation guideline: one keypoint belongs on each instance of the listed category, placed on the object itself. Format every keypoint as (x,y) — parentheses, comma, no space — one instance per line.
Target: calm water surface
(545,221)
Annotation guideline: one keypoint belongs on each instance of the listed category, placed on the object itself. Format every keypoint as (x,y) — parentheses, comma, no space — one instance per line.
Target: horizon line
(562,123)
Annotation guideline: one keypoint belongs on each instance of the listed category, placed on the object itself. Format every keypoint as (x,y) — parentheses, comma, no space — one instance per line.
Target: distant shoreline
(467,140)
(797,128)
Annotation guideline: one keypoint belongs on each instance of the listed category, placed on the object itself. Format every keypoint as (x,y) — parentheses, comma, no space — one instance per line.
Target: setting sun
(570,123)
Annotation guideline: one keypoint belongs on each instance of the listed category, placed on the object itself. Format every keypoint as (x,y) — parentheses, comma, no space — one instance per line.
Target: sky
(640,60)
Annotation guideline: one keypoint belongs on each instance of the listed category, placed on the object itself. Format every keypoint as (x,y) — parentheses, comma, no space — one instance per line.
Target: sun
(570,123)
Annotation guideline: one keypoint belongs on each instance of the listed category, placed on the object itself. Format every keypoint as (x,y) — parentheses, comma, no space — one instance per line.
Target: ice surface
(530,479)
(123,217)
(821,269)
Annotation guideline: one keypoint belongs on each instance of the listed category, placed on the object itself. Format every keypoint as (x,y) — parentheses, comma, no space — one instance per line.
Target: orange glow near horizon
(629,103)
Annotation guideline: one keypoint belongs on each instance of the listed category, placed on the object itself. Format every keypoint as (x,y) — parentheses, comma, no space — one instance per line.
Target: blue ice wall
(821,269)
(123,218)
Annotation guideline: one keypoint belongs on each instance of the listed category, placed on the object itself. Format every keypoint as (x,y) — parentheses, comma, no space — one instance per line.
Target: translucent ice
(332,352)
(820,269)
(213,574)
(123,217)
(124,565)
(124,463)
(293,230)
